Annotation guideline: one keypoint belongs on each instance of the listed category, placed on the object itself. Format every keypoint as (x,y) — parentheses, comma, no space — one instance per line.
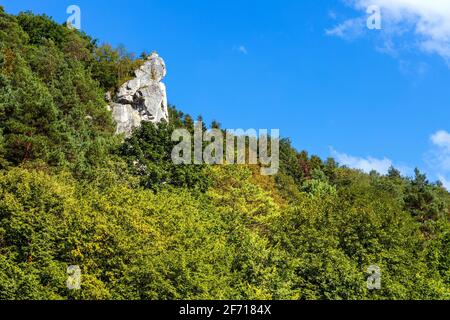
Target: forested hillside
(72,194)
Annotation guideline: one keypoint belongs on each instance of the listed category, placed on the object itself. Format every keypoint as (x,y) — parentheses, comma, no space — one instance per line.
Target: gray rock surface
(143,98)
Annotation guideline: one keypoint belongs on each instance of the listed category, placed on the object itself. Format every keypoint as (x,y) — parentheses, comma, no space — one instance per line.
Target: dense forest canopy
(72,194)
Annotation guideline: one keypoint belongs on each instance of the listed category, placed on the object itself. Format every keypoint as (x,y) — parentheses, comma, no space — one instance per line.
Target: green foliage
(51,109)
(149,153)
(139,227)
(289,163)
(113,67)
(421,199)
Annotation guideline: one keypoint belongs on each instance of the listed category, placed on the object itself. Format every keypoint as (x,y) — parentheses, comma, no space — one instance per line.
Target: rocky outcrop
(142,99)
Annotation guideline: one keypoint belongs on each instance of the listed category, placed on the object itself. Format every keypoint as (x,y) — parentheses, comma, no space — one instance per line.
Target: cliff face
(142,99)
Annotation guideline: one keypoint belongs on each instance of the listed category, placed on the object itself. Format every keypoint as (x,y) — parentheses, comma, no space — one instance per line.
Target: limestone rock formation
(142,99)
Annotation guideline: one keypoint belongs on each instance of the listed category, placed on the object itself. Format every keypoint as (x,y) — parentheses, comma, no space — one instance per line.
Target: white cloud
(445,182)
(439,157)
(369,164)
(243,49)
(332,14)
(365,164)
(427,20)
(442,140)
(409,68)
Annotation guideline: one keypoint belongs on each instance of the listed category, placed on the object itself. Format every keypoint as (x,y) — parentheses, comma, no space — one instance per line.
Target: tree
(421,199)
(149,153)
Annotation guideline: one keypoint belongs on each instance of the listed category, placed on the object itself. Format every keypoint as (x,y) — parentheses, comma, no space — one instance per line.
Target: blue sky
(311,68)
